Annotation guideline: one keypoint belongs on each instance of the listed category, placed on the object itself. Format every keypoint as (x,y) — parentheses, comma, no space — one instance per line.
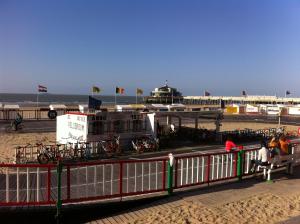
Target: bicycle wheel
(43,158)
(8,129)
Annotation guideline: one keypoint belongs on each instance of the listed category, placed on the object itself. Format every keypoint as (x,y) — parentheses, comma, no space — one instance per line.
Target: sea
(45,99)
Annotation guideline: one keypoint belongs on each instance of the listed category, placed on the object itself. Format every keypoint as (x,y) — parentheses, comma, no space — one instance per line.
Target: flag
(287,92)
(139,91)
(94,103)
(96,89)
(244,93)
(206,93)
(42,88)
(120,90)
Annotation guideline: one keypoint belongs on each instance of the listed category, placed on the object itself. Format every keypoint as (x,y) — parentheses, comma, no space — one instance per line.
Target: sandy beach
(9,141)
(260,208)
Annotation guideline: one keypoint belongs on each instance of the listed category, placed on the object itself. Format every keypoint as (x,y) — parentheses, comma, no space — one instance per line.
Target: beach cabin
(83,108)
(251,109)
(294,110)
(232,109)
(273,110)
(158,107)
(176,107)
(59,108)
(130,107)
(77,126)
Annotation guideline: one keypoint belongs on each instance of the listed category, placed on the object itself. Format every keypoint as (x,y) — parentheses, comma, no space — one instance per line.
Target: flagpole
(136,97)
(37,100)
(115,98)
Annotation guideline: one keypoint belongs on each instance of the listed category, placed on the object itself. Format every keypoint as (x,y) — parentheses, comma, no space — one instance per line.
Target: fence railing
(30,114)
(33,184)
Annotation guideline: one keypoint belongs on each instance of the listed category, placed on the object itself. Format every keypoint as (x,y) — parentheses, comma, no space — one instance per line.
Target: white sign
(71,128)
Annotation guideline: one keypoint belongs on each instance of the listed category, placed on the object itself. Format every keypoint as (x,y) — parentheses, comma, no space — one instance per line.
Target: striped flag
(42,89)
(120,90)
(96,89)
(139,91)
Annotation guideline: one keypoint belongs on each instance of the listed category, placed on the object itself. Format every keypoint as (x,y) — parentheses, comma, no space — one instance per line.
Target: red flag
(42,88)
(120,90)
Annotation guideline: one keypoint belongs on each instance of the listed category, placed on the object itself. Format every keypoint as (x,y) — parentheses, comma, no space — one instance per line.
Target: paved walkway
(214,196)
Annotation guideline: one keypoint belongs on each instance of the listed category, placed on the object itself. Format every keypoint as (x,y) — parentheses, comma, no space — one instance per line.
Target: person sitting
(284,145)
(274,147)
(263,157)
(229,144)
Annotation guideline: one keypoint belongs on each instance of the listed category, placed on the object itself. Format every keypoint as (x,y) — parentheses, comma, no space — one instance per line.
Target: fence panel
(223,166)
(85,182)
(25,184)
(190,170)
(249,155)
(143,176)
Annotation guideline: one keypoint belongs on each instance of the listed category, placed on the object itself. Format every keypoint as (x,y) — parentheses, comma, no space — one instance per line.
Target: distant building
(164,95)
(229,100)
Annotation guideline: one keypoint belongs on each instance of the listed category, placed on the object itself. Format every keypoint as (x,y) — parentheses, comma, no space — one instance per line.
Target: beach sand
(260,208)
(9,141)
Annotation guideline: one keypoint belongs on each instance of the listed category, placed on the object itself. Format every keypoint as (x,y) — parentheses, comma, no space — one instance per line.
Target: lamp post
(279,115)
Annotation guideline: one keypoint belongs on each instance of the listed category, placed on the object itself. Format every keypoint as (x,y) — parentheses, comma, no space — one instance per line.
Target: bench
(278,161)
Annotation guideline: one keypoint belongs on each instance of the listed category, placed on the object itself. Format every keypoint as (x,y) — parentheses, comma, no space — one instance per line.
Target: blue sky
(220,46)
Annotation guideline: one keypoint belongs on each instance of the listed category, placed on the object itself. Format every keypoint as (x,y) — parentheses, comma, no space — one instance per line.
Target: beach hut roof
(11,106)
(57,106)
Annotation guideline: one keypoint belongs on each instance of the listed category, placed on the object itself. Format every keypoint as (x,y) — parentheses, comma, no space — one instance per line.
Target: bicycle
(47,153)
(22,150)
(16,124)
(13,128)
(110,146)
(145,143)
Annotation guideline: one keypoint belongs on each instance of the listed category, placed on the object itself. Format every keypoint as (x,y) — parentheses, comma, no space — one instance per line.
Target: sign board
(71,128)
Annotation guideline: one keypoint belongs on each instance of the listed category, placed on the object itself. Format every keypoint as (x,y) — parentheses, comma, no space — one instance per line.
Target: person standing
(229,144)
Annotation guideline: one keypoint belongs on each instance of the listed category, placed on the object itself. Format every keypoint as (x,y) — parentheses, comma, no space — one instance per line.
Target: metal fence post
(59,201)
(240,164)
(170,173)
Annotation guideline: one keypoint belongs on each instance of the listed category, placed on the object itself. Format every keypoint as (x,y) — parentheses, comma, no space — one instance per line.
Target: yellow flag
(139,91)
(96,89)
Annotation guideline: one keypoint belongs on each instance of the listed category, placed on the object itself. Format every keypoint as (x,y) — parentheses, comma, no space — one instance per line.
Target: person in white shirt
(263,157)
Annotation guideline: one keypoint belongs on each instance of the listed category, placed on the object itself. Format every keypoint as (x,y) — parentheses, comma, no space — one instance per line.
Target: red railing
(33,184)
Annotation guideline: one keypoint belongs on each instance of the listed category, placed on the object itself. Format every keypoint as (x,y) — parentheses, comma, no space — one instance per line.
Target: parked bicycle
(48,153)
(145,143)
(109,147)
(21,154)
